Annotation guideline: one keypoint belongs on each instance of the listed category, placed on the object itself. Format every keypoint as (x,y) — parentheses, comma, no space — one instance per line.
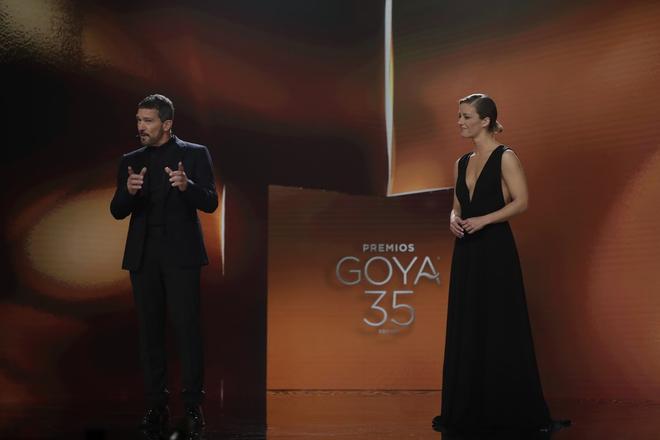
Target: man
(161,186)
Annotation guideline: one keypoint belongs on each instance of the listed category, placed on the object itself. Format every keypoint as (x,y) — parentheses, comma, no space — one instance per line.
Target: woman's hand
(474,224)
(455,226)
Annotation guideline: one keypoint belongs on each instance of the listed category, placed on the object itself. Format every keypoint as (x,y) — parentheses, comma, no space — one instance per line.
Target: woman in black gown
(490,380)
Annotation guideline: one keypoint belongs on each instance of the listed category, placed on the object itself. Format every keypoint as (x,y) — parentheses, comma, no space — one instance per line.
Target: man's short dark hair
(161,103)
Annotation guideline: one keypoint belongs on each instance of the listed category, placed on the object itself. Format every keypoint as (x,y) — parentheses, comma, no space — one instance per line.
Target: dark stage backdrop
(281,92)
(292,93)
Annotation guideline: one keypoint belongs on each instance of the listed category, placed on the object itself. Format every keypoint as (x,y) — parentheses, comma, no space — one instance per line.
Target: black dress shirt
(157,182)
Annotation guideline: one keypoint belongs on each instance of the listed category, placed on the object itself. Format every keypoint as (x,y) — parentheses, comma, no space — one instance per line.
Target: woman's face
(469,122)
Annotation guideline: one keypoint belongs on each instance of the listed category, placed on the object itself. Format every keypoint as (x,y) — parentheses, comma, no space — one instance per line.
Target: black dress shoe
(154,424)
(192,426)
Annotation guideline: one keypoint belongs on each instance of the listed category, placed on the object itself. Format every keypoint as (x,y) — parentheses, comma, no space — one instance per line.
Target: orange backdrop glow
(577,87)
(317,304)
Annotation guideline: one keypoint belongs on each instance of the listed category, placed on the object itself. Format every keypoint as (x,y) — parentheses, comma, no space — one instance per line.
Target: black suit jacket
(182,229)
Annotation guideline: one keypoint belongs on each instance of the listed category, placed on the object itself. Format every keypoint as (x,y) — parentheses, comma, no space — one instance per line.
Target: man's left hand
(178,178)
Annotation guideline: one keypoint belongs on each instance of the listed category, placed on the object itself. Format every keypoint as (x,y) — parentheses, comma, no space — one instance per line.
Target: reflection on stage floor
(340,415)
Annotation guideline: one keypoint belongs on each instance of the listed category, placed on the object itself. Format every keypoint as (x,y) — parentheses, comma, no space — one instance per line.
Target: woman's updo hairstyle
(486,108)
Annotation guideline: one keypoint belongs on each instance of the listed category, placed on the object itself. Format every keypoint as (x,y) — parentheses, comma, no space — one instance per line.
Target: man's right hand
(135,181)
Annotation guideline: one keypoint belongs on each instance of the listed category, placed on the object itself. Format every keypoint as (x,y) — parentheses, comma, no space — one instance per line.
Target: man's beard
(149,140)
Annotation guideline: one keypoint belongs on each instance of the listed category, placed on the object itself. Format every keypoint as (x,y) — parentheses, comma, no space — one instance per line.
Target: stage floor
(340,415)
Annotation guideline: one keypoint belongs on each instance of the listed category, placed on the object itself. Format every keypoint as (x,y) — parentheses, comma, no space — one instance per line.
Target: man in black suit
(161,186)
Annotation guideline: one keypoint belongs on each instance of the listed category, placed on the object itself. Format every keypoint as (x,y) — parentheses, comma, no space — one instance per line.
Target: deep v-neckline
(476,182)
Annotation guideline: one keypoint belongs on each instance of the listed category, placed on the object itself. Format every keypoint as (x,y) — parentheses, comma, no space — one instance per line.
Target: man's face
(151,129)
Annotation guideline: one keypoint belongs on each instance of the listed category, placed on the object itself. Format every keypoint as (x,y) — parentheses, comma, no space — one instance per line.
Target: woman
(490,379)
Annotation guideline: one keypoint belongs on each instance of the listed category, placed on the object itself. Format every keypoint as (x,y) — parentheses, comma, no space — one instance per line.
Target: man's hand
(178,178)
(135,181)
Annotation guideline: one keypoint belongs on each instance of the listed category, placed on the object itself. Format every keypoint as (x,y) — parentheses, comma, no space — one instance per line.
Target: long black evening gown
(490,380)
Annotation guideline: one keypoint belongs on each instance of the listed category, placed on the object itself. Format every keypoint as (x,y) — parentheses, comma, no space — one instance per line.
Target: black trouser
(161,286)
